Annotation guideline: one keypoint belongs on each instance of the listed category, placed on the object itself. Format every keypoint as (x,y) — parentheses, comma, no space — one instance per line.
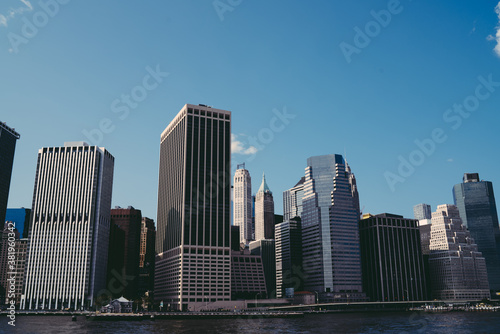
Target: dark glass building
(266,249)
(8,139)
(193,260)
(391,257)
(289,272)
(129,220)
(330,237)
(475,201)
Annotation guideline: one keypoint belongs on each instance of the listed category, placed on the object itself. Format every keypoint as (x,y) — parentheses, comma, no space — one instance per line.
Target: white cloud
(497,34)
(238,146)
(450,160)
(13,12)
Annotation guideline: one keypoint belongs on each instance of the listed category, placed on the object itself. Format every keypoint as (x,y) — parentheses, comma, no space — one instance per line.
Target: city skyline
(403,83)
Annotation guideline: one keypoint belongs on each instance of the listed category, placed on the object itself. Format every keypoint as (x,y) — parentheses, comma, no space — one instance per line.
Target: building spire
(264,187)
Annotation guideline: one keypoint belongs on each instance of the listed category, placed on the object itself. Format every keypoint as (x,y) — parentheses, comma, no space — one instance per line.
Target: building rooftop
(12,131)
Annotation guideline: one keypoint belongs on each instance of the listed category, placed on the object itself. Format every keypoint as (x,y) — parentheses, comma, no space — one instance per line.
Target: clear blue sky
(253,57)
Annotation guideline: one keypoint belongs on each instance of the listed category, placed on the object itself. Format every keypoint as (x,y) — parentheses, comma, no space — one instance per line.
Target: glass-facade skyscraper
(292,201)
(475,201)
(192,265)
(330,239)
(422,211)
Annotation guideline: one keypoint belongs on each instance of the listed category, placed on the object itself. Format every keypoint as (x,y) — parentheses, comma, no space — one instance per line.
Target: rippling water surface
(417,322)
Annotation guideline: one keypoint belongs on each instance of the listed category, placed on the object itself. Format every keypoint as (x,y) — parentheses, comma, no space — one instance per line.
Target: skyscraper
(392,261)
(68,244)
(242,203)
(8,137)
(264,212)
(457,268)
(475,201)
(147,256)
(267,250)
(292,201)
(129,220)
(193,228)
(330,237)
(289,274)
(422,211)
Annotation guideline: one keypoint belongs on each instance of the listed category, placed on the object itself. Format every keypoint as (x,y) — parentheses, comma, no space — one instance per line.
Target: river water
(401,322)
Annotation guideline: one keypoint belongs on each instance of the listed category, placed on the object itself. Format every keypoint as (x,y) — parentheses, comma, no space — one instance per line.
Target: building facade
(129,220)
(475,201)
(392,261)
(330,237)
(457,268)
(116,274)
(266,249)
(68,244)
(147,256)
(247,275)
(289,273)
(242,203)
(8,137)
(264,212)
(292,201)
(422,211)
(193,223)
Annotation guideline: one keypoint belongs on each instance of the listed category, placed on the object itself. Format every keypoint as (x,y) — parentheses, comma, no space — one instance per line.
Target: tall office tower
(424,225)
(457,268)
(8,139)
(68,243)
(292,201)
(147,256)
(253,217)
(267,250)
(330,237)
(392,262)
(129,220)
(289,274)
(264,212)
(422,211)
(476,203)
(115,276)
(193,227)
(242,203)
